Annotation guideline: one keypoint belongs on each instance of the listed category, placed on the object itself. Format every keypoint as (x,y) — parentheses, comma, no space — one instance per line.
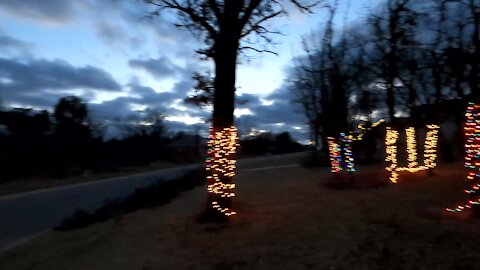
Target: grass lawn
(287,219)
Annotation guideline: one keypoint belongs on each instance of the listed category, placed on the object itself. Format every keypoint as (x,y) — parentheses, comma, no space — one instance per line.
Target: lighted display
(363,130)
(472,156)
(335,154)
(220,167)
(429,156)
(341,156)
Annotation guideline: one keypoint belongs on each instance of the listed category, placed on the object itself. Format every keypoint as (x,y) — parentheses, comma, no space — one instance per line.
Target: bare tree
(323,81)
(389,33)
(312,84)
(226,28)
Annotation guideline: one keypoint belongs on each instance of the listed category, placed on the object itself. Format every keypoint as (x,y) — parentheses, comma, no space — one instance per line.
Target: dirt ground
(288,219)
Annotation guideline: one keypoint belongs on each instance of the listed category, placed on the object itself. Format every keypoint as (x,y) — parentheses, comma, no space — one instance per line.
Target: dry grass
(287,219)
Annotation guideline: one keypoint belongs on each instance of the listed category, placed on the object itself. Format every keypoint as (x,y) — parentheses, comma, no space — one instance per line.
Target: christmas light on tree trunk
(472,156)
(220,167)
(429,156)
(335,154)
(341,156)
(391,151)
(347,153)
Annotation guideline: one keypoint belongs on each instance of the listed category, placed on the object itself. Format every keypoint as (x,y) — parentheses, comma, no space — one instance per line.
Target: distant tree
(71,119)
(390,34)
(26,123)
(24,143)
(321,81)
(284,143)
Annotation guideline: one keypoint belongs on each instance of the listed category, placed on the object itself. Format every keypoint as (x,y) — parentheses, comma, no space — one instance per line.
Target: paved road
(25,215)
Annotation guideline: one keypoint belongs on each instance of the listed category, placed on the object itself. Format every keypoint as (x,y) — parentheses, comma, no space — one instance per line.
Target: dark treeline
(408,61)
(268,143)
(66,143)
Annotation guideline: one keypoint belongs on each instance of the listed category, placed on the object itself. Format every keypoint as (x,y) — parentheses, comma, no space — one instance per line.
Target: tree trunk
(224,83)
(225,59)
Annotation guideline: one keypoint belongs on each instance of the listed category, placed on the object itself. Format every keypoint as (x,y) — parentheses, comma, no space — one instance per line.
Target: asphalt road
(25,215)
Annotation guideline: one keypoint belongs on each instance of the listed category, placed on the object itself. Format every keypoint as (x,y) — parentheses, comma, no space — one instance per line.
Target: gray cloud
(39,82)
(145,96)
(38,74)
(109,33)
(280,116)
(118,113)
(9,44)
(161,67)
(46,10)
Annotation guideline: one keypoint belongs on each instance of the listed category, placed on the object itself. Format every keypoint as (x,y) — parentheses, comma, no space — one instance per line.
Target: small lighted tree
(472,157)
(341,153)
(429,156)
(341,156)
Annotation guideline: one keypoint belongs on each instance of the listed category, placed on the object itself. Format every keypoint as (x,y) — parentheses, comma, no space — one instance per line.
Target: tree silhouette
(226,28)
(320,83)
(71,117)
(204,90)
(389,34)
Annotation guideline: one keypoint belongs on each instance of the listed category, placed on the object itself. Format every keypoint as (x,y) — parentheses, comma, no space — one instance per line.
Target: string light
(220,165)
(364,130)
(335,157)
(429,156)
(337,151)
(391,151)
(472,156)
(347,151)
(341,149)
(430,147)
(411,147)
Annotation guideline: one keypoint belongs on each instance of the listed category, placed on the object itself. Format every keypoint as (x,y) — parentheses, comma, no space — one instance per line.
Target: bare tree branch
(257,50)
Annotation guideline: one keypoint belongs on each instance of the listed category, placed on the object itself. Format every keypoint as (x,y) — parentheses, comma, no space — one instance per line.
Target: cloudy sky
(121,62)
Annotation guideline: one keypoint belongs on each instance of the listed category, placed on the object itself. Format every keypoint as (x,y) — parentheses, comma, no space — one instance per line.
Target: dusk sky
(120,62)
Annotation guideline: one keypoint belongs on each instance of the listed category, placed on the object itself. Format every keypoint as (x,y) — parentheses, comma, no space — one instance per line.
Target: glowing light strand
(391,153)
(335,154)
(337,151)
(347,151)
(411,147)
(430,151)
(472,157)
(220,166)
(341,149)
(364,130)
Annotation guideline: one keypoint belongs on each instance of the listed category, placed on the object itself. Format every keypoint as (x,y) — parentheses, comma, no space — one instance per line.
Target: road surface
(26,215)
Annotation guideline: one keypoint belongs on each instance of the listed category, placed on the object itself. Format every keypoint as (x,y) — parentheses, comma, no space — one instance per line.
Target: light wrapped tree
(226,27)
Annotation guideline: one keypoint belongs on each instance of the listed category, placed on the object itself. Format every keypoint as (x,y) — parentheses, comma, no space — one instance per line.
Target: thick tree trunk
(225,59)
(224,83)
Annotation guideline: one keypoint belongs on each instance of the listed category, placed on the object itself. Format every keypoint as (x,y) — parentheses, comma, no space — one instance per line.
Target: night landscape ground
(287,219)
